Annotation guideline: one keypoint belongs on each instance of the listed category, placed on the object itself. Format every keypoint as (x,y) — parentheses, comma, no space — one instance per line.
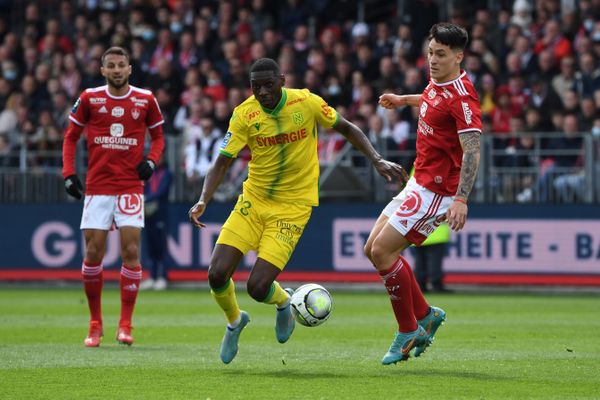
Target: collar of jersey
(118,97)
(462,73)
(279,105)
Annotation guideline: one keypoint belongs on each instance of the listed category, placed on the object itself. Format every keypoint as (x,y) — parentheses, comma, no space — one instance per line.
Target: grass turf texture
(491,347)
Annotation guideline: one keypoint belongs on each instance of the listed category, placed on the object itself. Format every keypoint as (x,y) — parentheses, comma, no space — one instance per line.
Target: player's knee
(378,253)
(216,279)
(94,254)
(367,250)
(258,291)
(130,252)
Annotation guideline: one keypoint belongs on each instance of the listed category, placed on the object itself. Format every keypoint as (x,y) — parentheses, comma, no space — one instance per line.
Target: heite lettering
(282,138)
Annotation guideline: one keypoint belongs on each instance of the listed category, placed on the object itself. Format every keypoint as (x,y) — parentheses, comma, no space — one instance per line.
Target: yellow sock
(277,295)
(225,298)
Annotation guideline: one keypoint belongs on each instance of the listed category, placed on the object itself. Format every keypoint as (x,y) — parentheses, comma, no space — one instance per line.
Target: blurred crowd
(535,64)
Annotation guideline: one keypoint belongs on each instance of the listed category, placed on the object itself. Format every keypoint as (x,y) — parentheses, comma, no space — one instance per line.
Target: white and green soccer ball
(311,304)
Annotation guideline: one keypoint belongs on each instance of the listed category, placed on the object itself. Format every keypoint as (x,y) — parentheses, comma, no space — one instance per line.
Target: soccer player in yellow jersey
(279,126)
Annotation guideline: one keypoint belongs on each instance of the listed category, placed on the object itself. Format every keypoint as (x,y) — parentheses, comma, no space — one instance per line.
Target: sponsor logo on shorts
(130,204)
(411,204)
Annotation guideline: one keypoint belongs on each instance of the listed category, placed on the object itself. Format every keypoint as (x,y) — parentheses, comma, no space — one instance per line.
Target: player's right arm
(213,179)
(235,140)
(390,100)
(78,119)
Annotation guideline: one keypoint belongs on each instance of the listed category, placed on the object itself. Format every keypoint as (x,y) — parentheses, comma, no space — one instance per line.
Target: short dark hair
(115,50)
(266,64)
(453,36)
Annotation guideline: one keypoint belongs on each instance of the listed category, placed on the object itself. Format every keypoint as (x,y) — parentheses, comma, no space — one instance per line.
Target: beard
(117,85)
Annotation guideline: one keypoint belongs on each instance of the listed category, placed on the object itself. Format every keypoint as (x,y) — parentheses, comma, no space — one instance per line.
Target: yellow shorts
(273,228)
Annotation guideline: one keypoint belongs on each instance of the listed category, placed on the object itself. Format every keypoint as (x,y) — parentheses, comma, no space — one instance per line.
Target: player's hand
(145,169)
(390,100)
(195,212)
(390,170)
(74,187)
(456,216)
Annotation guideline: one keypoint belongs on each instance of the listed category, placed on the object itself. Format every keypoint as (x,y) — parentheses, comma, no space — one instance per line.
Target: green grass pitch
(494,346)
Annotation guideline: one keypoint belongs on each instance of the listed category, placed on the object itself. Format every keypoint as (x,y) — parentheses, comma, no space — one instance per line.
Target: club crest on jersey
(298,118)
(410,205)
(431,93)
(437,101)
(468,113)
(117,130)
(135,113)
(117,112)
(423,109)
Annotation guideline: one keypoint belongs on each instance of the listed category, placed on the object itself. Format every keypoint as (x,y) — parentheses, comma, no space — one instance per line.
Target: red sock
(130,284)
(420,305)
(91,275)
(397,282)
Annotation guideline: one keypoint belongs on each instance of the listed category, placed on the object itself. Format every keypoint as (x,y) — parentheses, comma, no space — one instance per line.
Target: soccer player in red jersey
(447,160)
(116,118)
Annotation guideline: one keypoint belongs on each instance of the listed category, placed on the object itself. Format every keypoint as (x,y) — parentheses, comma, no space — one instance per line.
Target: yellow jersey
(283,144)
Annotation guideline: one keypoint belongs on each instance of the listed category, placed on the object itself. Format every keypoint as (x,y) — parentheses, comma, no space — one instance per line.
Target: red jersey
(116,131)
(447,110)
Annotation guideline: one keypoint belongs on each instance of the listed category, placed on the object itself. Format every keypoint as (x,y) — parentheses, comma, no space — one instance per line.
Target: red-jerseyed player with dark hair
(116,118)
(445,169)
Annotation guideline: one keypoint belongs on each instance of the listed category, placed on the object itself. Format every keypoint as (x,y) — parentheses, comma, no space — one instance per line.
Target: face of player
(116,69)
(266,87)
(444,63)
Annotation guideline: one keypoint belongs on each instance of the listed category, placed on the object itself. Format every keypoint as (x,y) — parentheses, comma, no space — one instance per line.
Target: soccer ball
(311,304)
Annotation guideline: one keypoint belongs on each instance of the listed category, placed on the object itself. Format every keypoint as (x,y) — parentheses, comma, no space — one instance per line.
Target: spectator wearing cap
(521,17)
(360,34)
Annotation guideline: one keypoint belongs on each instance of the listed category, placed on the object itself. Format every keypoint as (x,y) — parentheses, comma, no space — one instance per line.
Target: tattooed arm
(457,212)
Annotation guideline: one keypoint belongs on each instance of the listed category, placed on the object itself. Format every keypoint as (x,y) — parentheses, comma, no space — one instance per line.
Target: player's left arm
(354,135)
(457,212)
(154,122)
